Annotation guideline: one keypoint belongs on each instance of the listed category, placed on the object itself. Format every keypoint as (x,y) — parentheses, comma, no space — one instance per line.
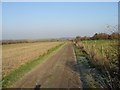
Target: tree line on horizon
(5,42)
(100,36)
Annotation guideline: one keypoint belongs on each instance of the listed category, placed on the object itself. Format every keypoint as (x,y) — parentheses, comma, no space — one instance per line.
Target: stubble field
(15,55)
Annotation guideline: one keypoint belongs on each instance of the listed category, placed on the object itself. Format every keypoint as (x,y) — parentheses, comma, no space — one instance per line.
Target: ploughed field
(15,55)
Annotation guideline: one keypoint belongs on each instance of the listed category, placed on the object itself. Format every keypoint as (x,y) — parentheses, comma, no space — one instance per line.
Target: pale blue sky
(0,21)
(55,20)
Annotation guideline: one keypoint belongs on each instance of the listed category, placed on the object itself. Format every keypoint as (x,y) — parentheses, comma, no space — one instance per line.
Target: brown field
(14,55)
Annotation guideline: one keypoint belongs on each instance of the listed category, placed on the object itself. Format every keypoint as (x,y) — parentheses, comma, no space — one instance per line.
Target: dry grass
(104,54)
(14,55)
(103,51)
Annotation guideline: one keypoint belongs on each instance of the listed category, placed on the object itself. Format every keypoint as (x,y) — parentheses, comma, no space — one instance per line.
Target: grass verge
(100,63)
(11,78)
(83,63)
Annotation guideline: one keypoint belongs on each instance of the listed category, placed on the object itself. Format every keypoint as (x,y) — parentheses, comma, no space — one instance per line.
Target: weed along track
(90,76)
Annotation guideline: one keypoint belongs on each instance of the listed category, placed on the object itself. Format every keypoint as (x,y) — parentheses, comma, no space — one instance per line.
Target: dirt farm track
(59,71)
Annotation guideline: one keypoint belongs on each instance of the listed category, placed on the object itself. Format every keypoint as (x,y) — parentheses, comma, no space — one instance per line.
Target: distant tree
(100,36)
(95,36)
(85,38)
(77,39)
(115,35)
